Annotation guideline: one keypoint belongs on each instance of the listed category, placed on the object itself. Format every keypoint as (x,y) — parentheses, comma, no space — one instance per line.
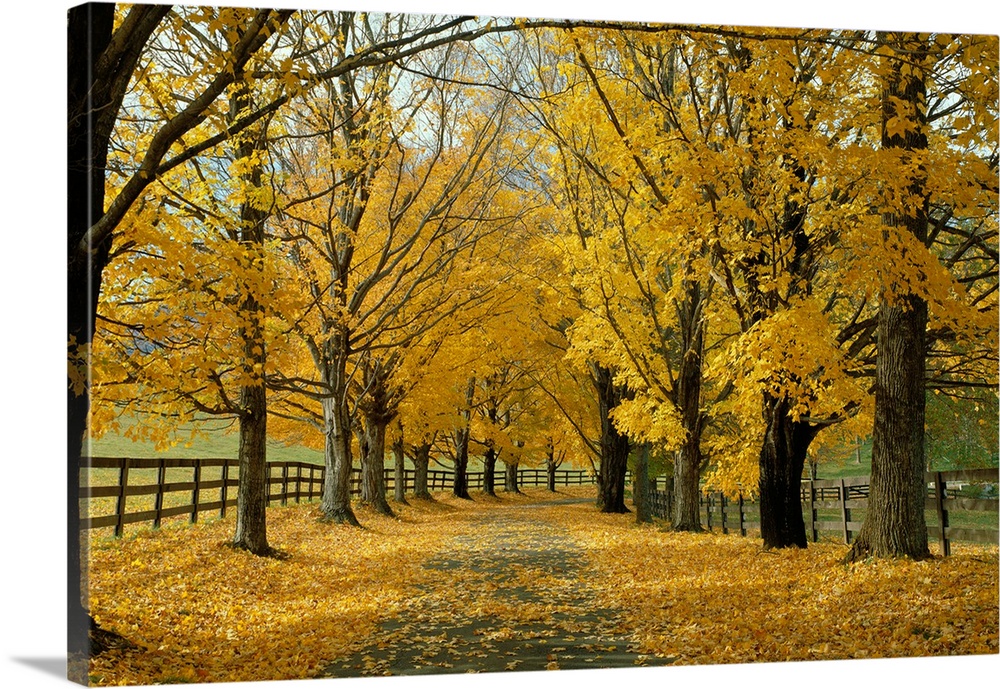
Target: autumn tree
(391,183)
(643,311)
(511,422)
(898,489)
(725,118)
(103,57)
(917,73)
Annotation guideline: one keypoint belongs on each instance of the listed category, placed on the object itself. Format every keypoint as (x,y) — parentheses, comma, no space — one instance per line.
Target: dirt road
(509,593)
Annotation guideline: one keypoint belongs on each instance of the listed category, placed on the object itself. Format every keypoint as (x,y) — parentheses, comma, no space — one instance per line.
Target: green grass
(217,439)
(842,462)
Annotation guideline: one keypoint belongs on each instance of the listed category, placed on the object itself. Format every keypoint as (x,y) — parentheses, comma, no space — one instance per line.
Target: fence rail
(197,487)
(830,506)
(207,486)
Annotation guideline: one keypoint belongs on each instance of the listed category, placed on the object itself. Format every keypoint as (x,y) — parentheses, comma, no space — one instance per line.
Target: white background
(32,373)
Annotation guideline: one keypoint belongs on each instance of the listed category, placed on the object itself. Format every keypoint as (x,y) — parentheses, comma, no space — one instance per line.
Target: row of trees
(530,241)
(787,222)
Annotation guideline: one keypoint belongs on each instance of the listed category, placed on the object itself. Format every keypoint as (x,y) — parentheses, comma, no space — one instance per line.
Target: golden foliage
(709,598)
(200,611)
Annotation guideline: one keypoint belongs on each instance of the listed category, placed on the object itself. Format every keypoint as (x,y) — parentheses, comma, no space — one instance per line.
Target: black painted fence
(151,490)
(829,507)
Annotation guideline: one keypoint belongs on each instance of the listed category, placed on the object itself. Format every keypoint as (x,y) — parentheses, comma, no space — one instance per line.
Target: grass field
(215,440)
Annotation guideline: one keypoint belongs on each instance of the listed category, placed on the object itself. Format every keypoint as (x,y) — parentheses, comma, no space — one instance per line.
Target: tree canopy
(513,239)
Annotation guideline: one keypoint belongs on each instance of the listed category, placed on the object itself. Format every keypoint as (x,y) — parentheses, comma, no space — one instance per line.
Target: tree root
(687,528)
(267,551)
(102,640)
(862,550)
(340,516)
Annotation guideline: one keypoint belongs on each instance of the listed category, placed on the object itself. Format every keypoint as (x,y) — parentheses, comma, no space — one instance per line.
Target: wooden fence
(162,488)
(831,507)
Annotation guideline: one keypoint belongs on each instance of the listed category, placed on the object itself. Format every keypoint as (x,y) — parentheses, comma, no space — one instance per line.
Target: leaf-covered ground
(521,582)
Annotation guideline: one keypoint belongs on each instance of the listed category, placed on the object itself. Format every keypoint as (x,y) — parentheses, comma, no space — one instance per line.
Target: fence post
(942,515)
(284,483)
(843,511)
(708,511)
(224,491)
(120,507)
(743,525)
(267,485)
(298,482)
(722,510)
(196,493)
(812,510)
(161,479)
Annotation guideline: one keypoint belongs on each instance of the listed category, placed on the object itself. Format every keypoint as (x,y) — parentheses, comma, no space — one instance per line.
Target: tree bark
(640,486)
(489,471)
(510,484)
(335,504)
(550,468)
(90,29)
(895,525)
(421,462)
(460,487)
(614,445)
(251,496)
(377,413)
(782,458)
(97,78)
(373,466)
(688,460)
(399,466)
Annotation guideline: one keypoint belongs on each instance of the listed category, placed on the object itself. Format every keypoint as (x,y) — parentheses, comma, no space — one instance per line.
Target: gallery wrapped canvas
(423,344)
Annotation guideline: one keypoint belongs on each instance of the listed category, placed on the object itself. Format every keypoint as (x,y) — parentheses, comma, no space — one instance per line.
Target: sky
(33,255)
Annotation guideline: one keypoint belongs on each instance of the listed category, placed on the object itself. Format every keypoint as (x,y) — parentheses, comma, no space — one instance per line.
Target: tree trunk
(686,491)
(251,500)
(782,458)
(373,467)
(93,102)
(489,471)
(251,495)
(335,504)
(640,486)
(90,28)
(550,468)
(460,487)
(894,523)
(421,462)
(688,460)
(614,446)
(399,465)
(510,478)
